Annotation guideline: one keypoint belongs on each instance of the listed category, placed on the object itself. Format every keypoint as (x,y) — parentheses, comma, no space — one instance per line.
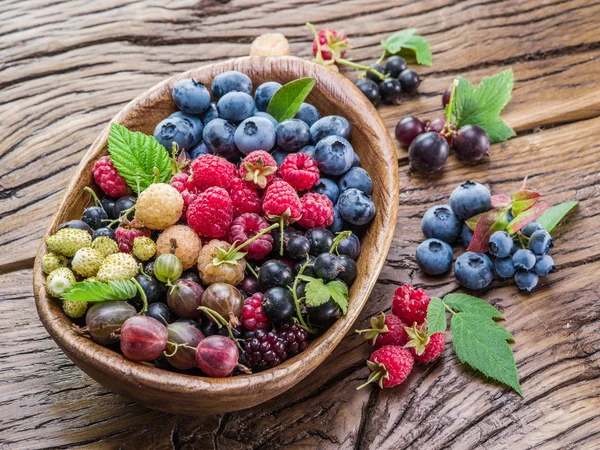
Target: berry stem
(143,296)
(374,377)
(252,271)
(347,62)
(176,345)
(220,321)
(90,191)
(449,108)
(341,235)
(382,57)
(449,309)
(120,218)
(229,256)
(281,233)
(303,323)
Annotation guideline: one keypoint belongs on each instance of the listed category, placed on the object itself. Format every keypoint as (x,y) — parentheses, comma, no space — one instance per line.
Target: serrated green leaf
(552,217)
(96,291)
(136,155)
(407,43)
(394,43)
(339,293)
(436,316)
(316,293)
(478,343)
(470,304)
(287,100)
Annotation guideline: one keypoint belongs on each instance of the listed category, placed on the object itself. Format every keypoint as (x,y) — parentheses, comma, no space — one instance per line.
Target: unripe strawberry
(144,248)
(87,261)
(59,280)
(67,241)
(118,266)
(74,308)
(52,261)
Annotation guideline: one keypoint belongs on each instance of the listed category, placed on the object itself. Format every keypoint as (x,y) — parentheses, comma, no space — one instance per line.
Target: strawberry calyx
(378,327)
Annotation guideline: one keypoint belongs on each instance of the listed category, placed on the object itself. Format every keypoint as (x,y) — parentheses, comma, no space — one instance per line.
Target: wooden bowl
(196,395)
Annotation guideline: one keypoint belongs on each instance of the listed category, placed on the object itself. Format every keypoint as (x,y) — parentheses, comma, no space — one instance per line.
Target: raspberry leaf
(552,216)
(339,293)
(287,100)
(492,221)
(96,291)
(317,293)
(523,200)
(406,42)
(469,304)
(527,216)
(478,342)
(436,316)
(136,156)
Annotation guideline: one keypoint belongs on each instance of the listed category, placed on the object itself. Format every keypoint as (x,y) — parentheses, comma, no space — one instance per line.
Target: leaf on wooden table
(526,216)
(501,200)
(436,316)
(523,200)
(552,216)
(474,305)
(491,221)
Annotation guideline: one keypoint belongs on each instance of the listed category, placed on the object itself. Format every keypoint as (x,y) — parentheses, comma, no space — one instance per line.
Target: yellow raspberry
(52,261)
(159,206)
(59,280)
(186,241)
(67,241)
(270,44)
(105,245)
(223,273)
(87,261)
(144,248)
(74,308)
(118,266)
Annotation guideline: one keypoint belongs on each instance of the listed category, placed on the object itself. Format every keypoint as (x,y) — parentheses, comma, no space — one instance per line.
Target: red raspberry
(212,171)
(281,201)
(258,168)
(410,304)
(252,314)
(300,171)
(330,41)
(317,211)
(385,330)
(108,179)
(125,237)
(181,182)
(211,213)
(425,348)
(246,226)
(244,198)
(389,366)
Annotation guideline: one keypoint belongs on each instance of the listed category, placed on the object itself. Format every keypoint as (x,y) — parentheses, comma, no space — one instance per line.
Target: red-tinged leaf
(523,200)
(472,222)
(490,222)
(524,184)
(527,216)
(501,200)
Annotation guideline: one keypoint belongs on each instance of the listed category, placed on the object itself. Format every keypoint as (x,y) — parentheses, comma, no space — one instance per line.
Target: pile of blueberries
(444,225)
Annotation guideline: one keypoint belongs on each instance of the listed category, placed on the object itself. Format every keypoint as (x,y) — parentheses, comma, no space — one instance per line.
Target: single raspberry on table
(244,198)
(159,206)
(181,181)
(247,226)
(212,171)
(295,338)
(211,213)
(300,171)
(125,236)
(265,350)
(333,44)
(410,304)
(109,180)
(423,347)
(258,168)
(386,329)
(389,366)
(253,317)
(270,44)
(317,211)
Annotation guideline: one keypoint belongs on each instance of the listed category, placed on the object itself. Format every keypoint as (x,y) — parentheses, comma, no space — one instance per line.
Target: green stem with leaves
(303,323)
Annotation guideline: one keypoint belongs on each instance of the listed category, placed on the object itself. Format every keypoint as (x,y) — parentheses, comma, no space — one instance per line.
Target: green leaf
(478,343)
(491,221)
(287,100)
(317,293)
(469,304)
(526,216)
(482,105)
(96,291)
(136,155)
(339,293)
(523,200)
(552,217)
(407,43)
(436,316)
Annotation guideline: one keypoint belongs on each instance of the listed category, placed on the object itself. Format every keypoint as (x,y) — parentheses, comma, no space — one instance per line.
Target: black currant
(298,247)
(370,89)
(94,216)
(410,80)
(155,291)
(348,271)
(125,203)
(395,65)
(324,314)
(446,96)
(390,90)
(471,143)
(309,270)
(274,273)
(250,285)
(320,239)
(349,246)
(160,312)
(191,275)
(79,224)
(371,76)
(109,206)
(326,266)
(278,305)
(103,231)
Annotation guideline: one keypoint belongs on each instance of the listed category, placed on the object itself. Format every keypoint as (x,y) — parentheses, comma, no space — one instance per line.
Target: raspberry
(212,171)
(244,198)
(389,366)
(105,245)
(125,237)
(186,241)
(118,266)
(295,338)
(74,308)
(385,330)
(181,182)
(265,350)
(281,201)
(231,273)
(87,261)
(246,226)
(258,168)
(107,177)
(59,280)
(253,317)
(211,213)
(52,261)
(67,241)
(159,206)
(317,211)
(144,248)
(333,44)
(423,347)
(270,44)
(410,304)
(300,171)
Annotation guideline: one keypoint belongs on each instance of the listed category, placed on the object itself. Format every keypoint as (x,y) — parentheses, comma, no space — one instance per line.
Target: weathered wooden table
(66,67)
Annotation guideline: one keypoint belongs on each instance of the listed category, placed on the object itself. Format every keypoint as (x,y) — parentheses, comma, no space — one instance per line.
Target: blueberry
(500,244)
(434,257)
(198,150)
(279,156)
(81,225)
(338,224)
(356,207)
(505,267)
(174,129)
(395,65)
(320,239)
(390,90)
(309,150)
(334,154)
(355,160)
(540,242)
(264,93)
(371,76)
(349,247)
(194,122)
(94,216)
(161,312)
(524,259)
(235,106)
(231,81)
(210,114)
(530,228)
(278,305)
(268,116)
(125,203)
(327,266)
(327,187)
(466,235)
(254,133)
(297,247)
(370,89)
(349,270)
(544,265)
(358,178)
(191,96)
(516,247)
(274,273)
(109,206)
(103,231)
(526,280)
(440,222)
(329,126)
(470,199)
(410,80)
(218,136)
(474,270)
(308,114)
(324,314)
(292,135)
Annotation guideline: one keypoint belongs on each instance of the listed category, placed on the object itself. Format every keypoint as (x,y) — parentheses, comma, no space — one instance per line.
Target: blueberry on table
(505,267)
(390,90)
(254,133)
(531,228)
(194,122)
(526,280)
(191,96)
(334,154)
(440,222)
(349,247)
(210,114)
(278,305)
(349,270)
(474,270)
(434,256)
(540,242)
(373,77)
(235,106)
(308,114)
(330,126)
(470,199)
(94,216)
(370,89)
(408,129)
(174,129)
(356,207)
(292,135)
(410,80)
(327,187)
(500,244)
(230,81)
(320,239)
(274,273)
(428,152)
(218,135)
(544,265)
(358,178)
(395,65)
(466,235)
(264,93)
(524,259)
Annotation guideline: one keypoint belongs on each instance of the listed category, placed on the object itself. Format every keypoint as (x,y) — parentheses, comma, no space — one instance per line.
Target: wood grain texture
(67,67)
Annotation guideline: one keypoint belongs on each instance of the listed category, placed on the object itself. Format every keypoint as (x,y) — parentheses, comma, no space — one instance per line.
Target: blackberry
(295,338)
(265,350)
